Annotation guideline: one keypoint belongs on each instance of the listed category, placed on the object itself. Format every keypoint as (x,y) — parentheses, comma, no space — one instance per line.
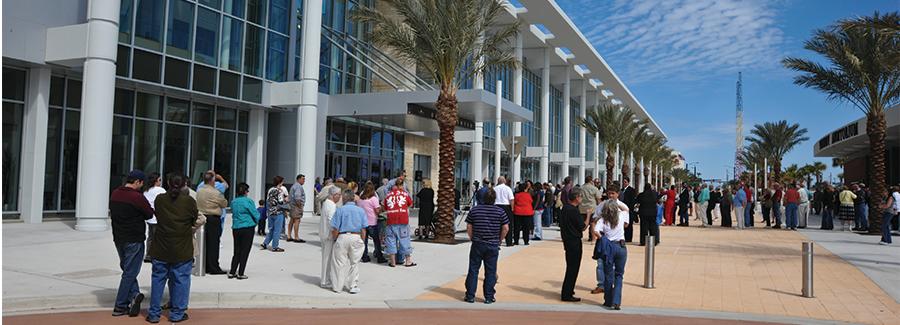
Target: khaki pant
(701,213)
(739,217)
(803,214)
(327,263)
(348,250)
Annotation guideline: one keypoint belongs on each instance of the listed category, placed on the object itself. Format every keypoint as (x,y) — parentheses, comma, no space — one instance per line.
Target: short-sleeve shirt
(298,195)
(599,209)
(397,205)
(617,233)
(589,194)
(486,221)
(349,218)
(369,206)
(504,194)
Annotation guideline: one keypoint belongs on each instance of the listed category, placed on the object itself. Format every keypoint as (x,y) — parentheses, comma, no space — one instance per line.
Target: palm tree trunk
(776,169)
(875,127)
(609,167)
(447,117)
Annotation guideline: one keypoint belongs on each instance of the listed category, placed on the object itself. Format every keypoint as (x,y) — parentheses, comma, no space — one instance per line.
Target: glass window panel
(123,61)
(229,84)
(256,11)
(148,27)
(204,79)
(225,118)
(224,162)
(123,104)
(337,131)
(51,169)
(276,61)
(146,66)
(243,120)
(207,42)
(252,90)
(12,152)
(73,93)
(147,145)
(57,90)
(353,134)
(232,36)
(178,110)
(234,7)
(201,152)
(181,28)
(253,50)
(279,15)
(126,10)
(14,84)
(178,72)
(121,151)
(175,152)
(338,23)
(70,161)
(365,135)
(212,3)
(202,114)
(149,106)
(240,174)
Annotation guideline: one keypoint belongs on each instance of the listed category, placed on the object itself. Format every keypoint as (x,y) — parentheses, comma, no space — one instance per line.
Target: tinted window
(14,84)
(252,90)
(204,79)
(181,28)
(278,15)
(206,47)
(178,110)
(232,36)
(253,50)
(276,61)
(202,114)
(177,72)
(256,11)
(124,102)
(229,84)
(146,66)
(148,25)
(73,93)
(149,106)
(123,60)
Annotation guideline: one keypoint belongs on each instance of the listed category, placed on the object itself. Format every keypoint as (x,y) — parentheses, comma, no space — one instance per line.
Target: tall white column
(766,173)
(545,117)
(309,83)
(256,152)
(617,168)
(631,166)
(34,146)
(597,155)
(515,156)
(97,96)
(477,153)
(498,137)
(650,172)
(567,126)
(582,133)
(640,183)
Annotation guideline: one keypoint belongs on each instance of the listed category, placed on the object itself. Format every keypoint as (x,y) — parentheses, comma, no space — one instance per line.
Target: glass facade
(574,129)
(14,81)
(359,150)
(556,122)
(339,72)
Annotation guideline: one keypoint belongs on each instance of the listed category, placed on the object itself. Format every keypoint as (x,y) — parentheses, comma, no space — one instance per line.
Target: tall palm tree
(864,69)
(818,168)
(612,123)
(449,41)
(776,139)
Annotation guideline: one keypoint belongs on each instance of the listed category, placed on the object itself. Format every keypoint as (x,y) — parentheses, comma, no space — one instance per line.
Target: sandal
(410,265)
(279,249)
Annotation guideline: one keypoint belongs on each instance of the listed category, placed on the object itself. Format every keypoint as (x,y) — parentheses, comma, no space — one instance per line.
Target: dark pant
(243,240)
(827,218)
(523,227)
(709,209)
(211,235)
(130,257)
(512,223)
(573,265)
(614,269)
(649,226)
(261,226)
(486,253)
(629,229)
(765,212)
(375,233)
(151,228)
(886,221)
(748,214)
(683,216)
(776,211)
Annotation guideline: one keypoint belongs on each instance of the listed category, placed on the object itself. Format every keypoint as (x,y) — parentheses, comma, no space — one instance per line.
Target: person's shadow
(310,279)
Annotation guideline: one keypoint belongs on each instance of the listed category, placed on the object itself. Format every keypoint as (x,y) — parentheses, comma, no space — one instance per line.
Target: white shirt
(896,206)
(151,195)
(328,209)
(617,233)
(599,209)
(804,195)
(504,194)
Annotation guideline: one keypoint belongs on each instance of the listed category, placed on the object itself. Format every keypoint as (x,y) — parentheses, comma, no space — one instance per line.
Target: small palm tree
(450,41)
(864,58)
(818,168)
(775,140)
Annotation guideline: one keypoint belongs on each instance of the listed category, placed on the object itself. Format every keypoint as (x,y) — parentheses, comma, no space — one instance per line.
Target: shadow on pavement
(783,292)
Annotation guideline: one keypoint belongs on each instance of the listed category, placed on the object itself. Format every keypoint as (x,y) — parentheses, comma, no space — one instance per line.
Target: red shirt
(523,204)
(397,205)
(792,196)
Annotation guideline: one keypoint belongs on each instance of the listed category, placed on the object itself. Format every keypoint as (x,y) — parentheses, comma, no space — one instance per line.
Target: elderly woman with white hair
(329,206)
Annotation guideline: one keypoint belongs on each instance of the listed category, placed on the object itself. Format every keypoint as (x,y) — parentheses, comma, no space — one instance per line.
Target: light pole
(688,166)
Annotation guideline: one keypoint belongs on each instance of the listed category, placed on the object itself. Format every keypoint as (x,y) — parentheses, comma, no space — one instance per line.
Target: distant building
(851,144)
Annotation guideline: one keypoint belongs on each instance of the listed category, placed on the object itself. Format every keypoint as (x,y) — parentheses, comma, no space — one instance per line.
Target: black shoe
(488,301)
(298,240)
(119,312)
(135,308)
(242,277)
(365,259)
(776,227)
(152,320)
(607,305)
(469,300)
(382,261)
(216,272)
(263,247)
(231,276)
(571,299)
(616,307)
(183,318)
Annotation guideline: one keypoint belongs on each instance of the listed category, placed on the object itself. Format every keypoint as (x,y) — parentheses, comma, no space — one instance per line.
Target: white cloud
(681,39)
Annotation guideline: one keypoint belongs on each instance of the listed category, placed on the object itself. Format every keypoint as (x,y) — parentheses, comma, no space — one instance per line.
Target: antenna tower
(739,141)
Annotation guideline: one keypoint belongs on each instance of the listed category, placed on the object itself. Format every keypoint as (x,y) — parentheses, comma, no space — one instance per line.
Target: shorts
(396,240)
(296,212)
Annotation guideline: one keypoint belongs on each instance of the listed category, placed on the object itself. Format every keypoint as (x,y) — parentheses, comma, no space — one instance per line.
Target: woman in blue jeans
(891,209)
(172,252)
(276,208)
(612,225)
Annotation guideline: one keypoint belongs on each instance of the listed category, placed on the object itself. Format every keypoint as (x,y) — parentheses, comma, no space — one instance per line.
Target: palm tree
(612,123)
(818,168)
(449,41)
(864,70)
(775,140)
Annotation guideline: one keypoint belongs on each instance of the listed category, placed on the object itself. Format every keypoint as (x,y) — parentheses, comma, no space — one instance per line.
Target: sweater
(173,239)
(128,209)
(243,213)
(210,201)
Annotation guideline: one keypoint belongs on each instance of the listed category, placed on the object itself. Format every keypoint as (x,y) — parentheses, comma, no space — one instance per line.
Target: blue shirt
(740,198)
(349,218)
(219,186)
(243,213)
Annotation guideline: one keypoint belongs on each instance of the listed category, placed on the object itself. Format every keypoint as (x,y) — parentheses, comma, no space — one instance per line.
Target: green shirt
(173,239)
(243,213)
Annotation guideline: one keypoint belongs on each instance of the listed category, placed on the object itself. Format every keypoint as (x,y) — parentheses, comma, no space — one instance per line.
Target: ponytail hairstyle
(151,181)
(176,183)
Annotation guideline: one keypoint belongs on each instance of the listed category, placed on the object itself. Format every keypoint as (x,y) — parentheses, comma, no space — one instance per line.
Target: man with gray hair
(329,206)
(348,228)
(505,201)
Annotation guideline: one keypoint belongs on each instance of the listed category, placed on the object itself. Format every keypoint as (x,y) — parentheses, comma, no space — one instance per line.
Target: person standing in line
(646,202)
(891,210)
(670,206)
(725,207)
(244,217)
(847,212)
(827,209)
(537,196)
(426,210)
(261,225)
(317,188)
(173,250)
(298,200)
(740,202)
(486,225)
(803,207)
(549,205)
(703,206)
(329,206)
(276,207)
(749,207)
(222,186)
(368,201)
(600,249)
(211,203)
(152,188)
(767,207)
(861,206)
(323,193)
(684,201)
(791,200)
(348,226)
(571,226)
(523,210)
(505,200)
(611,225)
(590,195)
(629,197)
(776,205)
(397,240)
(129,210)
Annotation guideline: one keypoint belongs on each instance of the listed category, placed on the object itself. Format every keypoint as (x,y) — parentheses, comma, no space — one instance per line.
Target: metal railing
(379,63)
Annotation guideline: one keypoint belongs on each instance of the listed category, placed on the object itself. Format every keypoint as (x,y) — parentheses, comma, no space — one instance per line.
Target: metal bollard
(200,260)
(807,269)
(649,259)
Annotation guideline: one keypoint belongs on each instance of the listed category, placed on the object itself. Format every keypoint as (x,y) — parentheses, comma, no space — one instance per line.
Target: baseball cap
(137,174)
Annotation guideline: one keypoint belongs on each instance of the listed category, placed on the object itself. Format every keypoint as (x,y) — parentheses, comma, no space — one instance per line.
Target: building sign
(844,133)
(431,113)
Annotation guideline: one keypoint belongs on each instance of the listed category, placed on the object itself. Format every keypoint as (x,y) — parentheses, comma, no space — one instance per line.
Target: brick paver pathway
(749,271)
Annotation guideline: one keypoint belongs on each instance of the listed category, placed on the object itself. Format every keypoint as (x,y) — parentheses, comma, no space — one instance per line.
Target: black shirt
(647,200)
(629,197)
(128,209)
(571,223)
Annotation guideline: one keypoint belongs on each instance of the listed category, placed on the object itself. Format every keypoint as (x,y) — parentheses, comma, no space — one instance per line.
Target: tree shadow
(783,292)
(558,284)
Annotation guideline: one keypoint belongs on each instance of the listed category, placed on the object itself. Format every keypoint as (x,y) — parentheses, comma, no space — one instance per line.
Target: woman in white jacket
(152,188)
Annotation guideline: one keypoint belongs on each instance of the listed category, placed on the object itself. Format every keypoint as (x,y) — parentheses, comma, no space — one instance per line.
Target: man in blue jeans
(487,223)
(128,209)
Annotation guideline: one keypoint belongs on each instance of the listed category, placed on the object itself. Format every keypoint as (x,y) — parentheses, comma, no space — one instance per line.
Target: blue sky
(681,59)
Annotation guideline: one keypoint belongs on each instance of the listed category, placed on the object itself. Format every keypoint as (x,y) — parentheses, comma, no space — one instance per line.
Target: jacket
(173,239)
(210,201)
(128,208)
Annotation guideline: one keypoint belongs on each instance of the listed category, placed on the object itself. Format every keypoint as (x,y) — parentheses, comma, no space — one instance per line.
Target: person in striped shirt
(487,223)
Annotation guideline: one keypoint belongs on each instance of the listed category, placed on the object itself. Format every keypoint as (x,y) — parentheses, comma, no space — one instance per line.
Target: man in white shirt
(803,208)
(505,200)
(329,206)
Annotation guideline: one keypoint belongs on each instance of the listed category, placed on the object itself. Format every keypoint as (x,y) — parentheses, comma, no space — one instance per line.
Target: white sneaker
(354,290)
(883,243)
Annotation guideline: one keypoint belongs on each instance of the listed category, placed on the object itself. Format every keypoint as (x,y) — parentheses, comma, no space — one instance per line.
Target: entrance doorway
(421,171)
